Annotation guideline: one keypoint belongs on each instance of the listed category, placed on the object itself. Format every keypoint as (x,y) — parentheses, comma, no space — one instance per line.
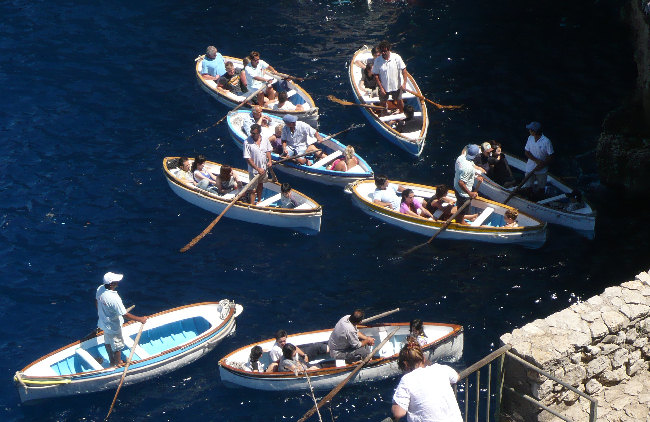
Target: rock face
(600,346)
(623,147)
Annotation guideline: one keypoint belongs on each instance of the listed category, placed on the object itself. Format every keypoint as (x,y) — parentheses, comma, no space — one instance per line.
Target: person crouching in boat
(440,203)
(385,194)
(290,362)
(413,206)
(257,153)
(346,342)
(424,393)
(111,313)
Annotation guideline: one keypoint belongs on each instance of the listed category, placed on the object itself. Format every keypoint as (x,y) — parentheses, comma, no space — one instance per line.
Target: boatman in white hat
(299,138)
(111,312)
(539,152)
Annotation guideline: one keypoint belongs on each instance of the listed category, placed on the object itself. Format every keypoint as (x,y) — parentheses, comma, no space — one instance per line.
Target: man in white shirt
(111,313)
(390,73)
(297,139)
(464,177)
(539,152)
(257,153)
(385,194)
(254,78)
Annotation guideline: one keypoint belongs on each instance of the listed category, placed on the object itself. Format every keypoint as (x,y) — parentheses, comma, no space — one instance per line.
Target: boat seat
(372,100)
(87,357)
(398,116)
(554,198)
(482,217)
(129,342)
(327,159)
(303,206)
(269,201)
(340,362)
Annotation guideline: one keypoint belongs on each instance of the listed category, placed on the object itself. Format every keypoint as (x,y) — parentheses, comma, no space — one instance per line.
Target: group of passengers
(197,175)
(253,77)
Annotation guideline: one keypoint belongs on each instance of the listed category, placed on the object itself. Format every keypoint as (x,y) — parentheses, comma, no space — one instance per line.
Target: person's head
(381,181)
(256,131)
(288,351)
(282,97)
(409,111)
(369,69)
(211,52)
(534,128)
(290,121)
(184,163)
(411,356)
(472,151)
(257,111)
(407,196)
(254,57)
(285,189)
(497,147)
(416,327)
(278,130)
(441,191)
(281,337)
(486,148)
(230,68)
(510,216)
(356,316)
(256,353)
(198,163)
(349,152)
(384,49)
(225,173)
(375,52)
(111,279)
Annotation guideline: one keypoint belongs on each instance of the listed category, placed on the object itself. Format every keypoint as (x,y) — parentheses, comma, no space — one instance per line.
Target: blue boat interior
(153,342)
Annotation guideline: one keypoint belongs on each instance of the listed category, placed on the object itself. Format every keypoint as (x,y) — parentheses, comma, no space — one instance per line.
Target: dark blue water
(95,94)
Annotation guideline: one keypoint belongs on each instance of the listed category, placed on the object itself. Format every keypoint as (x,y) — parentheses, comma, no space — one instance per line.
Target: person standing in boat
(539,152)
(296,139)
(212,66)
(390,73)
(464,178)
(346,342)
(257,153)
(424,393)
(111,313)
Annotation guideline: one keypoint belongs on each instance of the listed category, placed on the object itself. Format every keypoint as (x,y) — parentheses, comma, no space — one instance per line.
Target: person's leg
(397,97)
(460,200)
(356,355)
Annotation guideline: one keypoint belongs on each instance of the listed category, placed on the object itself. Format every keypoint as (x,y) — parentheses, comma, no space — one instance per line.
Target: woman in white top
(424,393)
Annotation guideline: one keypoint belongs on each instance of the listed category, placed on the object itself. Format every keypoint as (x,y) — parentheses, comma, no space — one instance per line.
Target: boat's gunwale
(192,342)
(359,98)
(438,223)
(456,330)
(311,112)
(207,195)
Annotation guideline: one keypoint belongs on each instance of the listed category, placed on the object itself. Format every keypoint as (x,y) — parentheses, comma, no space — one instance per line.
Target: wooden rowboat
(305,217)
(556,208)
(297,95)
(318,172)
(445,343)
(412,142)
(488,226)
(170,340)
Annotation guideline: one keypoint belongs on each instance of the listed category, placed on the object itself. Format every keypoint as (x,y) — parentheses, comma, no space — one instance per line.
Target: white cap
(110,277)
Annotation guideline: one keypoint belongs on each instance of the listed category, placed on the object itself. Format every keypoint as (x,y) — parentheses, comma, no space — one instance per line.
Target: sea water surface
(94,94)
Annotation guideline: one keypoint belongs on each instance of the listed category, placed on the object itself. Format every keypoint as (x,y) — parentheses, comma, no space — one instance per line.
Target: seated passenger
(212,66)
(227,180)
(254,364)
(417,332)
(385,194)
(290,362)
(368,83)
(482,160)
(346,342)
(440,203)
(231,81)
(255,116)
(412,206)
(284,103)
(370,60)
(346,162)
(297,139)
(409,123)
(286,200)
(304,351)
(254,78)
(510,218)
(499,170)
(184,173)
(575,201)
(203,178)
(276,139)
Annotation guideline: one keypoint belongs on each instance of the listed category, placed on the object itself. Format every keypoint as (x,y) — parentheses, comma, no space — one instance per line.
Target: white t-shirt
(389,71)
(275,353)
(110,310)
(287,106)
(388,195)
(257,153)
(251,72)
(427,396)
(540,149)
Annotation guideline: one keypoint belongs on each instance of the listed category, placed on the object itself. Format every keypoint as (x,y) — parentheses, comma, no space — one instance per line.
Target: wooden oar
(336,389)
(442,228)
(348,103)
(372,318)
(126,368)
(516,189)
(285,76)
(440,106)
(240,105)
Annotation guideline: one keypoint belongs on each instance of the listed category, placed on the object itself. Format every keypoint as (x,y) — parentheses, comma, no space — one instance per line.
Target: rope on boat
(313,396)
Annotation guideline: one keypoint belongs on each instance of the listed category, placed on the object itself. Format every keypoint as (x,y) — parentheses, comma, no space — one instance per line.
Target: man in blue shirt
(212,66)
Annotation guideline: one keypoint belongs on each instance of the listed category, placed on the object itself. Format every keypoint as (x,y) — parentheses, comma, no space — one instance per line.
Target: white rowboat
(445,343)
(170,340)
(305,218)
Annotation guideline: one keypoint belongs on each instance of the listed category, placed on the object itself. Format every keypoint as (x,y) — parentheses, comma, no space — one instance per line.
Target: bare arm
(365,340)
(136,318)
(398,412)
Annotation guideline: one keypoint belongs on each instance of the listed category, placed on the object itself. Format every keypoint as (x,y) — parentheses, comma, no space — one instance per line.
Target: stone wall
(600,346)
